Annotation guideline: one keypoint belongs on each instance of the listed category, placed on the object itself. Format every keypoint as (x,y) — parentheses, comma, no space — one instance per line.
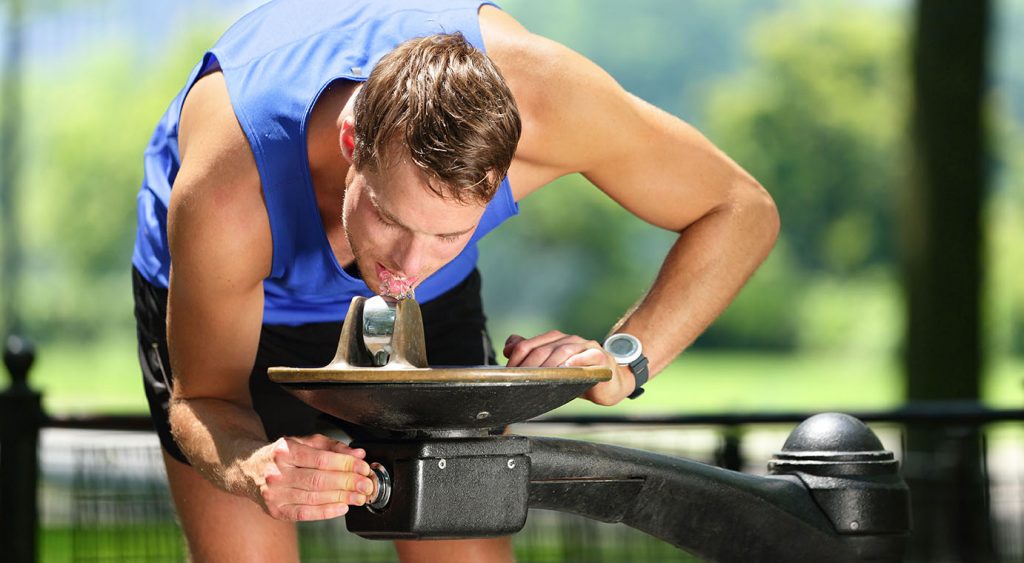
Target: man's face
(399,230)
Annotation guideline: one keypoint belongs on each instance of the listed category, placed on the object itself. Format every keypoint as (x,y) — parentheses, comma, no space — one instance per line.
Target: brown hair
(445,103)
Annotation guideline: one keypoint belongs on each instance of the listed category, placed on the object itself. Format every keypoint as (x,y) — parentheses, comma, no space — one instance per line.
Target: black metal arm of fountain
(833,492)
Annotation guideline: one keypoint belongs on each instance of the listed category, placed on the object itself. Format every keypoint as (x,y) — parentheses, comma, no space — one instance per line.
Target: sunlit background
(813,98)
(810,97)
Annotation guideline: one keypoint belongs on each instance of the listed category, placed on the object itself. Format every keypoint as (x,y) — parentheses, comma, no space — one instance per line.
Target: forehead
(404,191)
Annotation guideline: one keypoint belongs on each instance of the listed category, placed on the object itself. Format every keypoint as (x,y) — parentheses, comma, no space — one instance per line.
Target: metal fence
(104,497)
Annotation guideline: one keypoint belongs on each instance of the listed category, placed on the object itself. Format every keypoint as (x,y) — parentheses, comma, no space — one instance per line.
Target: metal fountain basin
(407,395)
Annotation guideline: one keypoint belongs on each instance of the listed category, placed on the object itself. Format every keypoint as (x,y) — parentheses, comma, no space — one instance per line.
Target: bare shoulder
(216,203)
(577,118)
(526,60)
(563,98)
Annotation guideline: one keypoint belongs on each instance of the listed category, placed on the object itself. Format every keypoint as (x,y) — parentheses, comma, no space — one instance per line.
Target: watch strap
(640,374)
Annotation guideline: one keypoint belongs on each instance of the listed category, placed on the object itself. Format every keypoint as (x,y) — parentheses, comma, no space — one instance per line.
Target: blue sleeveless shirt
(276,62)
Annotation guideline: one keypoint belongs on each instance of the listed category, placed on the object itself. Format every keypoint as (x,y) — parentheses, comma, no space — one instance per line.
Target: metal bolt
(854,525)
(482,415)
(511,463)
(441,464)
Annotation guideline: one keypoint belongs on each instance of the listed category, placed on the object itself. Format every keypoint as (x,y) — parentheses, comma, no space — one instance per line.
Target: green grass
(324,541)
(156,541)
(104,378)
(98,378)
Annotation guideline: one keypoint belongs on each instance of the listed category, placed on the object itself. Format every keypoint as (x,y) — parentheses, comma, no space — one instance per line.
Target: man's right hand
(309,478)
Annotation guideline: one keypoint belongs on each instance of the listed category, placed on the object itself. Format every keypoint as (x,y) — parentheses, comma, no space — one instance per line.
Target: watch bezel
(624,360)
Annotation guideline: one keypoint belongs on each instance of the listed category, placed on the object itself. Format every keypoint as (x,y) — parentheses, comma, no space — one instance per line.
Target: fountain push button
(381,488)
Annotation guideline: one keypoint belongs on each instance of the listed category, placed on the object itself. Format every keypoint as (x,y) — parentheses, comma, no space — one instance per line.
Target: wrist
(627,351)
(627,382)
(245,476)
(641,374)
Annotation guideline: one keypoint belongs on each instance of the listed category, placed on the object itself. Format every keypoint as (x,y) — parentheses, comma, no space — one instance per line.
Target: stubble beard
(356,256)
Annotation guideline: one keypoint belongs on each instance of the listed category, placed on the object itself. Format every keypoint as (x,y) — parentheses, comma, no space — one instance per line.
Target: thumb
(587,358)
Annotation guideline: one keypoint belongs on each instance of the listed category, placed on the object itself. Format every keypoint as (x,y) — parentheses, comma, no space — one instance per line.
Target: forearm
(218,437)
(702,273)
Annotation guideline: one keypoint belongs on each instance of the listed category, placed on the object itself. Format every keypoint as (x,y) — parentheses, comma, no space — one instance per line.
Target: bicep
(214,312)
(655,165)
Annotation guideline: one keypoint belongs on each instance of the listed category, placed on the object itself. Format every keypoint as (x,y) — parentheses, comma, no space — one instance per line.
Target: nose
(409,255)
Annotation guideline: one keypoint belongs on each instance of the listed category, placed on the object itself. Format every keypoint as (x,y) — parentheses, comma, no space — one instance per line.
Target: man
(323,150)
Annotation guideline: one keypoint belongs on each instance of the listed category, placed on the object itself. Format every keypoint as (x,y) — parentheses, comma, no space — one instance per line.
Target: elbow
(757,214)
(768,214)
(177,411)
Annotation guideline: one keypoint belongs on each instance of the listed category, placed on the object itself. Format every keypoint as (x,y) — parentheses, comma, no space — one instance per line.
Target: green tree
(86,134)
(818,119)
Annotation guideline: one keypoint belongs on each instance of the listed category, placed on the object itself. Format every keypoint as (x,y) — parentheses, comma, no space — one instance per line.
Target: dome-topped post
(21,416)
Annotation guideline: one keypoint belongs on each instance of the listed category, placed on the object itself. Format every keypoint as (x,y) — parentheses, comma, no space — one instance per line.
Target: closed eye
(385,222)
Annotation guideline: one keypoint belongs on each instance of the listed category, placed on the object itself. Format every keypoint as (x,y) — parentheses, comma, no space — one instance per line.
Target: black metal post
(21,415)
(945,271)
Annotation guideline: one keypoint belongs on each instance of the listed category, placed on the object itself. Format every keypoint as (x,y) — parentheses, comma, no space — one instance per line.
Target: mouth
(393,286)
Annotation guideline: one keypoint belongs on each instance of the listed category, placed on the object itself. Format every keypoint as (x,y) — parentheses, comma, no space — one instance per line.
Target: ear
(347,137)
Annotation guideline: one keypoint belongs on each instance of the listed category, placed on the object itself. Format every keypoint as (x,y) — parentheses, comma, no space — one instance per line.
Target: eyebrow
(387,215)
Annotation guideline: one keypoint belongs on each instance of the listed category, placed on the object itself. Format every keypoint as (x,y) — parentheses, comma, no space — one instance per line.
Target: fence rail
(121,510)
(939,413)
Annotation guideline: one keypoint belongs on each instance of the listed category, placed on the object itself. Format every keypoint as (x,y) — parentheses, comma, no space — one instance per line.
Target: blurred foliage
(574,258)
(818,120)
(666,52)
(810,97)
(84,167)
(1005,257)
(1008,64)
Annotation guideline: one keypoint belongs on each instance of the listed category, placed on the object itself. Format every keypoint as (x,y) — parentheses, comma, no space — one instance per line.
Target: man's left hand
(557,349)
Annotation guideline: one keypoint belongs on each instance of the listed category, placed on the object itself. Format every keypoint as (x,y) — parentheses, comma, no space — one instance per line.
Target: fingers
(321,442)
(308,487)
(295,452)
(517,347)
(510,344)
(313,478)
(315,441)
(316,480)
(587,358)
(551,349)
(555,354)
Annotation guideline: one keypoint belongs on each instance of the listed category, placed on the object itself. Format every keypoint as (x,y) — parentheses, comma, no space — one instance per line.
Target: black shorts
(454,329)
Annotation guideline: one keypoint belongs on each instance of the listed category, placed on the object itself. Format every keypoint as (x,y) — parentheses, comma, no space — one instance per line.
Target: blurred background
(816,99)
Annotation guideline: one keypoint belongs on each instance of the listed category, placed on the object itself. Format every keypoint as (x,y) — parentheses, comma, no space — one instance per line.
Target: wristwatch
(627,351)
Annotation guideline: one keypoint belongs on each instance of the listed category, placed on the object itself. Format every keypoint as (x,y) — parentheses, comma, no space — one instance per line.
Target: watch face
(621,346)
